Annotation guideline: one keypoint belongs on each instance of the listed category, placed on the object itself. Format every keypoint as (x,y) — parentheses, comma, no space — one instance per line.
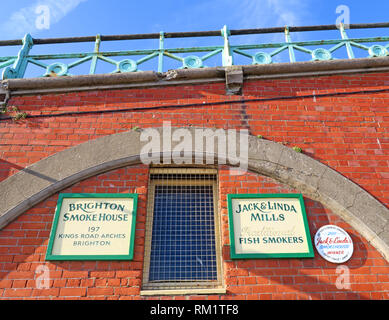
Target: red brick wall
(23,245)
(348,132)
(299,278)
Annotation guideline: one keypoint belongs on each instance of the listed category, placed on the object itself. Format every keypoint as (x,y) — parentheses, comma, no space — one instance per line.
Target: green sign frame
(62,196)
(235,255)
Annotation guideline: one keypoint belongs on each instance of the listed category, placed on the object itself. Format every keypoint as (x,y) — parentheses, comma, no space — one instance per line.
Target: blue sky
(90,17)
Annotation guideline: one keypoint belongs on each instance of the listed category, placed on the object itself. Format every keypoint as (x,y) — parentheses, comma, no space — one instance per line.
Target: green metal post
(227,58)
(95,56)
(20,65)
(292,57)
(161,51)
(343,33)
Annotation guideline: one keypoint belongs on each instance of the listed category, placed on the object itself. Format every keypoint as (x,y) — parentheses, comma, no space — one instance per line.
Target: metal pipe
(309,28)
(193,34)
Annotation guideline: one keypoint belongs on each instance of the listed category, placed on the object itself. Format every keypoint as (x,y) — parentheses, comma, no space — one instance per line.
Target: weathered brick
(347,133)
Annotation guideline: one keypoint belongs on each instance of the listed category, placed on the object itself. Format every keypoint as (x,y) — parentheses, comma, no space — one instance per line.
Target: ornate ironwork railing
(264,53)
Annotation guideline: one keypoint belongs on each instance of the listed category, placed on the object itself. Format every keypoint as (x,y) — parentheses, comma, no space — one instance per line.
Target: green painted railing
(266,53)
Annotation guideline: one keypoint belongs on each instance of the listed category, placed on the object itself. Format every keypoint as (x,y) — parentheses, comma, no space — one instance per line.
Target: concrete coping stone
(31,86)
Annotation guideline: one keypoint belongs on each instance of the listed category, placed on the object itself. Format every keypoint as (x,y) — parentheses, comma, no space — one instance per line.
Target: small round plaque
(334,244)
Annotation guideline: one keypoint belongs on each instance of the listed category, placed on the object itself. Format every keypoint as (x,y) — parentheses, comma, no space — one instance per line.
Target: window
(182,250)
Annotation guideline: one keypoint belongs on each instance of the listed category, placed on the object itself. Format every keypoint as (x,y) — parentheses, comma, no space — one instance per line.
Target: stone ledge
(176,292)
(145,79)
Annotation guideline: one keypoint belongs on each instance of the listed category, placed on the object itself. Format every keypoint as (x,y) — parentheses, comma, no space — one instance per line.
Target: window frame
(183,286)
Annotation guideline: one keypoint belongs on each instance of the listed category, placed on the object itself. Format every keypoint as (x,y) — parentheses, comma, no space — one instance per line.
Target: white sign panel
(93,227)
(268,226)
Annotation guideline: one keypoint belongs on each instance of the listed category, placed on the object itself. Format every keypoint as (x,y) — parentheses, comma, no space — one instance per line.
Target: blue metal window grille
(183,251)
(183,239)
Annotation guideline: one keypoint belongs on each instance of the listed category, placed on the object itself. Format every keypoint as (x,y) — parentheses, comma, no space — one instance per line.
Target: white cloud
(24,20)
(246,14)
(289,12)
(258,13)
(252,14)
(272,13)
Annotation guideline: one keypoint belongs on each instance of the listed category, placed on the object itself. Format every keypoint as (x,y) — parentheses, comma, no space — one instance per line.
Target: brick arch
(315,180)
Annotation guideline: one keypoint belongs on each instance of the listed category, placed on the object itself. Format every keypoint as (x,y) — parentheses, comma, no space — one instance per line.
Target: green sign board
(93,226)
(268,226)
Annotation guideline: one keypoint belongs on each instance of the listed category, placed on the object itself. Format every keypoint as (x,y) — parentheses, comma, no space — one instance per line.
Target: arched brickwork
(357,207)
